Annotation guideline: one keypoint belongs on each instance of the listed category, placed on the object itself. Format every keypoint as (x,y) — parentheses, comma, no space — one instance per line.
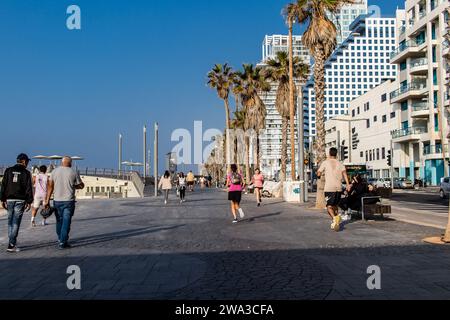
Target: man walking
(190,178)
(16,197)
(64,181)
(334,172)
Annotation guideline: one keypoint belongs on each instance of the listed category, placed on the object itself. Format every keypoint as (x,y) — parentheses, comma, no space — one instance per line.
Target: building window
(361,154)
(392,115)
(368,123)
(383,153)
(375,119)
(384,119)
(404,105)
(384,97)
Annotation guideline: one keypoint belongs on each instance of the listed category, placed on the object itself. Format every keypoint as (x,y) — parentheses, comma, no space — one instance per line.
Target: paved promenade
(141,249)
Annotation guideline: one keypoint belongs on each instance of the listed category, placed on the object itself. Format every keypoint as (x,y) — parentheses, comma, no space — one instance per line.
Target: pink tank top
(258,180)
(41,185)
(234,187)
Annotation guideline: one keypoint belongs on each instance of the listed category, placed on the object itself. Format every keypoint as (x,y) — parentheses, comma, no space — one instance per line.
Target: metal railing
(418,62)
(428,150)
(105,173)
(402,30)
(420,106)
(406,45)
(409,87)
(408,131)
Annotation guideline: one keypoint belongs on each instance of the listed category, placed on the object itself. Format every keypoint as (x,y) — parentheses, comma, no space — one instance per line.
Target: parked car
(445,188)
(379,182)
(403,183)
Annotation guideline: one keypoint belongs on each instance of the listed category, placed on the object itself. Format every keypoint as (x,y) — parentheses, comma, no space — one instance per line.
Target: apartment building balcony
(408,134)
(435,152)
(420,110)
(414,90)
(446,49)
(411,48)
(419,66)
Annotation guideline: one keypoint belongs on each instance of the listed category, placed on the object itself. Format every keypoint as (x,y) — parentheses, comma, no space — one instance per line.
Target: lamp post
(120,154)
(155,160)
(145,152)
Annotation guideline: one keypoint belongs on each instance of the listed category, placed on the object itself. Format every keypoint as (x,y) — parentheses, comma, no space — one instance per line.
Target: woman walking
(258,184)
(166,185)
(181,184)
(235,184)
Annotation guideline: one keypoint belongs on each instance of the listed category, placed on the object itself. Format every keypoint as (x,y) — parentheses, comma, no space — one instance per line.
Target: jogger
(235,184)
(258,184)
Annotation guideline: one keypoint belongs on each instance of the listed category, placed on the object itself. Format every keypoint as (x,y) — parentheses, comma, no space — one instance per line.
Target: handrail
(406,45)
(421,106)
(434,149)
(408,87)
(408,131)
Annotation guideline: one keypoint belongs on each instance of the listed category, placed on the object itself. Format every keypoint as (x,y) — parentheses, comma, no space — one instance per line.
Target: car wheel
(442,194)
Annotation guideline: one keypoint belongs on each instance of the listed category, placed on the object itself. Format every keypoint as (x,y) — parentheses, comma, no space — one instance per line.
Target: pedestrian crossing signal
(344,153)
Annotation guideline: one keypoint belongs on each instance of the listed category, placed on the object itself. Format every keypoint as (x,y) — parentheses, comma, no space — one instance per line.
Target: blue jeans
(15,214)
(64,213)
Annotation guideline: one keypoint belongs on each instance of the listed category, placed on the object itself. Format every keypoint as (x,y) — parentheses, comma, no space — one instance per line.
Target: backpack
(236,178)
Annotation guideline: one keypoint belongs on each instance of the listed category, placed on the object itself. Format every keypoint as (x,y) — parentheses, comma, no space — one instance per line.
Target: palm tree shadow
(252,219)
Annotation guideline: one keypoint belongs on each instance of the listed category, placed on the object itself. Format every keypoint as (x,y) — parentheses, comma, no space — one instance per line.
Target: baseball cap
(23,157)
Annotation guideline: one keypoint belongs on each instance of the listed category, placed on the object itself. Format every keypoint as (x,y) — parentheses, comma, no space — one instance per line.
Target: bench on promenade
(373,209)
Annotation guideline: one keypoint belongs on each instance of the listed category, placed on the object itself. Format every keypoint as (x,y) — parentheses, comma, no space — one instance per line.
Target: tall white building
(359,64)
(345,17)
(421,96)
(271,141)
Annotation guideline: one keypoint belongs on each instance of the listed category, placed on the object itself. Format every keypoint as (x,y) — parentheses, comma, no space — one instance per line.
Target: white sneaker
(241,213)
(165,201)
(333,225)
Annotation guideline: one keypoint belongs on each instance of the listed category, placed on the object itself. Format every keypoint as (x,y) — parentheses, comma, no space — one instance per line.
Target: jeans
(64,213)
(182,192)
(15,214)
(166,194)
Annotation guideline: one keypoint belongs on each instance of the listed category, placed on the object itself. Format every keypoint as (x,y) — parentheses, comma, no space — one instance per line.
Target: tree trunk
(247,160)
(291,101)
(319,88)
(228,142)
(258,152)
(284,122)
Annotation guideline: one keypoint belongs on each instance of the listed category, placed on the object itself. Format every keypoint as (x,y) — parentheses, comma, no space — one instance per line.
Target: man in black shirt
(16,195)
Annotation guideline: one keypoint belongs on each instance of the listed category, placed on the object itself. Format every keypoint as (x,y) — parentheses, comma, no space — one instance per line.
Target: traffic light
(344,153)
(389,158)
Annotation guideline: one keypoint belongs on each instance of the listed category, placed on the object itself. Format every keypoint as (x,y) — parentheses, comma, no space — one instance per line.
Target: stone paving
(141,249)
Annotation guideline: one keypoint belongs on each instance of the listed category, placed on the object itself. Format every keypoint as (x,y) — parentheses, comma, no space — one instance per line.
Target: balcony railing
(427,150)
(402,30)
(407,88)
(408,131)
(445,44)
(418,62)
(420,106)
(407,45)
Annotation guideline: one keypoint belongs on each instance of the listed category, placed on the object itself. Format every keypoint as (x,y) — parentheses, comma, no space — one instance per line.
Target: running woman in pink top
(235,184)
(258,183)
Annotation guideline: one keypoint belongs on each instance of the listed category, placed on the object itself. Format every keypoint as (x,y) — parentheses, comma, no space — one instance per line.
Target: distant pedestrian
(235,184)
(16,197)
(63,183)
(40,182)
(190,178)
(333,171)
(181,184)
(166,185)
(258,184)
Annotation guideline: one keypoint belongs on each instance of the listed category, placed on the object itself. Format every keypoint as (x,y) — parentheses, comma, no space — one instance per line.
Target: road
(141,249)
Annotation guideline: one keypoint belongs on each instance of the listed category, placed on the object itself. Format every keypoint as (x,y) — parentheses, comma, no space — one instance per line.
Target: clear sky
(133,62)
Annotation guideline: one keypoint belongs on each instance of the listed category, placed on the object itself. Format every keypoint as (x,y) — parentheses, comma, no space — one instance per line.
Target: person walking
(40,183)
(181,184)
(333,171)
(166,185)
(258,184)
(235,184)
(63,183)
(190,178)
(16,195)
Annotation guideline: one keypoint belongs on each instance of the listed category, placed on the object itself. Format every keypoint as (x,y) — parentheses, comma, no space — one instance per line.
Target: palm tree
(239,123)
(253,83)
(221,79)
(446,237)
(320,38)
(278,72)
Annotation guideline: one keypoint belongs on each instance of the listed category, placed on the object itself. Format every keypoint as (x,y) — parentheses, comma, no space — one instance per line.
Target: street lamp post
(120,154)
(155,160)
(145,152)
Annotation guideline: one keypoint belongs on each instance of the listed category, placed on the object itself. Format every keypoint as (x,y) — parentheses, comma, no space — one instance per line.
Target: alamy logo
(374,281)
(74,20)
(74,280)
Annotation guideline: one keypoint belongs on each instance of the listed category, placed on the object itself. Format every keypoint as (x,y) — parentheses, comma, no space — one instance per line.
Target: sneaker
(235,221)
(337,222)
(165,201)
(333,225)
(12,249)
(33,223)
(241,213)
(62,246)
(258,205)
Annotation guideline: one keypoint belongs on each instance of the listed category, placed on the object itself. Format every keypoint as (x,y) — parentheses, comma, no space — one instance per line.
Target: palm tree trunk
(319,87)
(258,152)
(284,122)
(446,238)
(247,160)
(228,142)
(291,101)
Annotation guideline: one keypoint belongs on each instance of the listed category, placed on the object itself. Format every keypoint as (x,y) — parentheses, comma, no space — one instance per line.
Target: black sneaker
(12,249)
(259,204)
(63,246)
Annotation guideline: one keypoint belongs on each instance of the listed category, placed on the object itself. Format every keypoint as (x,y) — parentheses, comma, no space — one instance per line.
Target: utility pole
(392,165)
(155,160)
(145,152)
(338,145)
(120,154)
(350,141)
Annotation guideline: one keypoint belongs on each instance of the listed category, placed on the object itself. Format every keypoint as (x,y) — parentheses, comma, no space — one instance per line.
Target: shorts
(235,196)
(333,198)
(38,201)
(190,183)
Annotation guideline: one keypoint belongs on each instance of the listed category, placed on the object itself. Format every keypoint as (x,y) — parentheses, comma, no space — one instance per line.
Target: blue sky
(133,63)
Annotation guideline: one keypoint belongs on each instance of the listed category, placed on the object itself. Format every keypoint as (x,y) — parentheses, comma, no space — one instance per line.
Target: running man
(40,182)
(16,197)
(334,172)
(190,178)
(258,184)
(235,184)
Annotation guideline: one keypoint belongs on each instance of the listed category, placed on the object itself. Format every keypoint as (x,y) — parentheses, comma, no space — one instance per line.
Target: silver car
(403,183)
(445,188)
(379,182)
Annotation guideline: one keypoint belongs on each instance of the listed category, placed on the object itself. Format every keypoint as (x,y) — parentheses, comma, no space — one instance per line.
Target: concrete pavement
(141,249)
